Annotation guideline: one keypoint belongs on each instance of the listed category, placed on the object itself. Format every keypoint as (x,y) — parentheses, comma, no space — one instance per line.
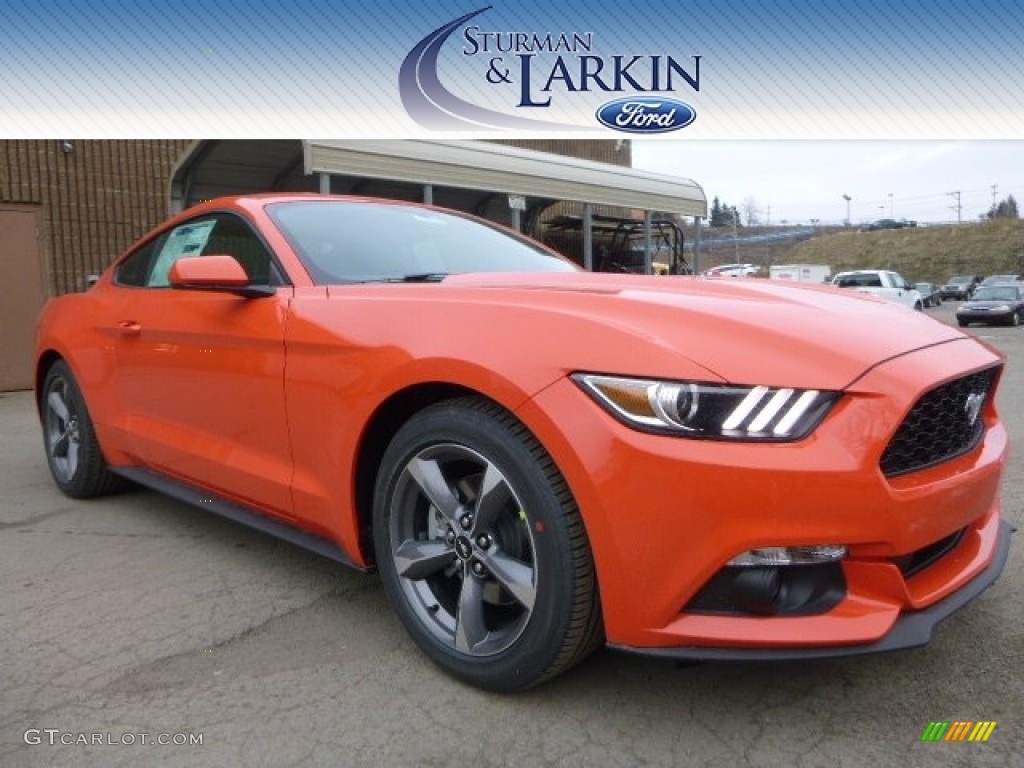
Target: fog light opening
(778,556)
(758,590)
(802,588)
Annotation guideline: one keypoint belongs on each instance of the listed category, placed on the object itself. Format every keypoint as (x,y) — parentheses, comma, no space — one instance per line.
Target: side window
(135,268)
(221,233)
(185,240)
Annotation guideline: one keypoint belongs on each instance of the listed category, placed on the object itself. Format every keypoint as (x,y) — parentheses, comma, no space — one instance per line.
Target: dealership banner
(467,69)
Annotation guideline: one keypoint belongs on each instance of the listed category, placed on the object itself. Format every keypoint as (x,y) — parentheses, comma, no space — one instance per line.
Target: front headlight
(1001,308)
(712,411)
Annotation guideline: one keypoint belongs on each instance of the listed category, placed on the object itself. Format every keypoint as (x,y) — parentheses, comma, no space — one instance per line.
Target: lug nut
(466,521)
(449,538)
(483,541)
(478,568)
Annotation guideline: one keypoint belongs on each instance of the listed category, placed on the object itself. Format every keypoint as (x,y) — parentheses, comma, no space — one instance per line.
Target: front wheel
(481,548)
(1015,318)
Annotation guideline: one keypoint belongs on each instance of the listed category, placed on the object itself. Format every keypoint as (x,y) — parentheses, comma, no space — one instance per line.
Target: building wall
(94,197)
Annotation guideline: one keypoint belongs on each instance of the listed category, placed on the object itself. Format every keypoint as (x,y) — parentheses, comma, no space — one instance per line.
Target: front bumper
(984,316)
(911,630)
(664,515)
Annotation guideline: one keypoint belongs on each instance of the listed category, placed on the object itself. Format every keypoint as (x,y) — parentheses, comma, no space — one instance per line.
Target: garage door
(21,294)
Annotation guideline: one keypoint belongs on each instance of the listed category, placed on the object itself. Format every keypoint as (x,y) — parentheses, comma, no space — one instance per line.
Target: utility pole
(993,213)
(847,198)
(735,235)
(890,205)
(958,208)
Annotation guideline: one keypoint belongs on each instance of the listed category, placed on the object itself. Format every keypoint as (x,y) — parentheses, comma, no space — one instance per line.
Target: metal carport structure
(502,183)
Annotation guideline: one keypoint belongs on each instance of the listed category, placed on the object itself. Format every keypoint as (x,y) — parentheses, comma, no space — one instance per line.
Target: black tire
(497,582)
(918,306)
(72,451)
(961,323)
(1015,318)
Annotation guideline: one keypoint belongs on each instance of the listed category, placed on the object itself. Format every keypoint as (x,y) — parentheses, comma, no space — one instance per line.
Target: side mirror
(215,273)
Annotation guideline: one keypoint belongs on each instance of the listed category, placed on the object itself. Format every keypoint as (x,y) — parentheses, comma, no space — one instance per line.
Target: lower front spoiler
(911,630)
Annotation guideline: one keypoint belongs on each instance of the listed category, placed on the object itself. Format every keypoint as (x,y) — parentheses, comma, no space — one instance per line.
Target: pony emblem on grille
(973,406)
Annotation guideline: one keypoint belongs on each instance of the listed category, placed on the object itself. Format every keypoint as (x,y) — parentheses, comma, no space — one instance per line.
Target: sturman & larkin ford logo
(535,70)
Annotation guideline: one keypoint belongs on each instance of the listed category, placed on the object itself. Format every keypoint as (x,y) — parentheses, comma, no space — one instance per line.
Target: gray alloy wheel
(481,548)
(60,427)
(462,549)
(72,450)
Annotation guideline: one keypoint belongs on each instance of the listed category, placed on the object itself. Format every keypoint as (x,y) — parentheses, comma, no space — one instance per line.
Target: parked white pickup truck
(883,283)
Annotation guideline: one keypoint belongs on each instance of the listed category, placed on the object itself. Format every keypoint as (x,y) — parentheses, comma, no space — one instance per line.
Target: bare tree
(750,211)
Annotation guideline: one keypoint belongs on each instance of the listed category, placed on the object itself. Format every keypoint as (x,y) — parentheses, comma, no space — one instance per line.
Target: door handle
(130,328)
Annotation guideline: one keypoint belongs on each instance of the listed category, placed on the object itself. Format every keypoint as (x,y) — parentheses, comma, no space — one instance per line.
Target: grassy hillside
(923,253)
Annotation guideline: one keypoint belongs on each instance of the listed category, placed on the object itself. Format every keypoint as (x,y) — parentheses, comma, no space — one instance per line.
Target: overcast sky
(796,181)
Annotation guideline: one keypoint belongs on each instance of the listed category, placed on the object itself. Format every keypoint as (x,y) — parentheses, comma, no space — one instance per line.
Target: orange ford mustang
(538,459)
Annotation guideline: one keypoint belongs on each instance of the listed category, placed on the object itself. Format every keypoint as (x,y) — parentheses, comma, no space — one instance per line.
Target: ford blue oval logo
(646,114)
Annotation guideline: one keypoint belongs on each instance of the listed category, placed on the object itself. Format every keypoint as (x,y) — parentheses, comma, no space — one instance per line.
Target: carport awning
(212,168)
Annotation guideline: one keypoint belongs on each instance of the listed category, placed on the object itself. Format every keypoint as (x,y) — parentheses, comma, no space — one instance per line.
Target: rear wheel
(961,323)
(72,450)
(482,550)
(1015,318)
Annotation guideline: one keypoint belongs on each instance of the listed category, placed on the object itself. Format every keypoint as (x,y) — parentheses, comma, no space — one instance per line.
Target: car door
(896,289)
(200,373)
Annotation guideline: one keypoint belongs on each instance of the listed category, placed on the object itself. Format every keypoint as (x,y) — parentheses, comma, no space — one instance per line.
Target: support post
(588,237)
(648,256)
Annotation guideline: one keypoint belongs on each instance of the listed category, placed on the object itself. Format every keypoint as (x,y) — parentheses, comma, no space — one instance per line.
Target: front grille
(939,426)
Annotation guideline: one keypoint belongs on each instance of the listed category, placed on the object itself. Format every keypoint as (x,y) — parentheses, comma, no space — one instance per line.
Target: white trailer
(804,273)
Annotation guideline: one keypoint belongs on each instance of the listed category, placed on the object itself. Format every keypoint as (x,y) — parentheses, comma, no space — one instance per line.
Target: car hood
(740,330)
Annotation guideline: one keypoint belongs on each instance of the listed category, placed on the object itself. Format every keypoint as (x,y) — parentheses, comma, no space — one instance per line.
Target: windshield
(993,279)
(960,279)
(996,293)
(342,241)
